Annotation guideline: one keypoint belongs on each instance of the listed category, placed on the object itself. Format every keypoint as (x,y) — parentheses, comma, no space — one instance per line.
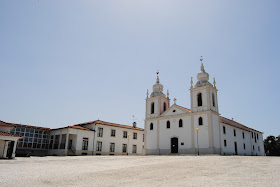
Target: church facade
(198,130)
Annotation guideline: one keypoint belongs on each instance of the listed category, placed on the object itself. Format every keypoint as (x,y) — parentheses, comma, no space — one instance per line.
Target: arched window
(199,99)
(151,126)
(200,121)
(213,99)
(164,106)
(168,124)
(180,123)
(152,108)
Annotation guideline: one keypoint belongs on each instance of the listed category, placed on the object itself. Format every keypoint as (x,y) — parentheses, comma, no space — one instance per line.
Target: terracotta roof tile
(80,128)
(236,124)
(110,124)
(184,108)
(8,134)
(230,122)
(6,124)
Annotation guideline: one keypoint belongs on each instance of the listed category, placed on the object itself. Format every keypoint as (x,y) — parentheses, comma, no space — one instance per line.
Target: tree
(272,146)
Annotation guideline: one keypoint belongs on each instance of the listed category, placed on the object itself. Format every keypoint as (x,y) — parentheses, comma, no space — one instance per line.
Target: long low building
(91,138)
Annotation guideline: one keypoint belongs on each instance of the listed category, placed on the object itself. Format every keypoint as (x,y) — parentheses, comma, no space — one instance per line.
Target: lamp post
(197,129)
(127,142)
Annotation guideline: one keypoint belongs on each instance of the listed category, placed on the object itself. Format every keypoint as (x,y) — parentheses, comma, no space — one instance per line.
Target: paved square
(141,171)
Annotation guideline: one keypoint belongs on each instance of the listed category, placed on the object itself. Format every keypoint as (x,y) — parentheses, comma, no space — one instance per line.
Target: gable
(174,110)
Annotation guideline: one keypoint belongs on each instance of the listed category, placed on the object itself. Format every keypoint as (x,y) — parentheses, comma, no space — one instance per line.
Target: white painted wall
(247,140)
(182,133)
(106,139)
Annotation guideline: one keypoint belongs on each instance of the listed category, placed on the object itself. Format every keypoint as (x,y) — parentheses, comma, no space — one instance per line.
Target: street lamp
(197,129)
(127,142)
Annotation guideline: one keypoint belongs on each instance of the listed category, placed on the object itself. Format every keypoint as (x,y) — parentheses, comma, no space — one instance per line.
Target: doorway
(174,145)
(235,148)
(70,144)
(10,149)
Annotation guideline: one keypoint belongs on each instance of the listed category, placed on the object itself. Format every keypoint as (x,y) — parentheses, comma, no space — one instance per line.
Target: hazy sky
(68,62)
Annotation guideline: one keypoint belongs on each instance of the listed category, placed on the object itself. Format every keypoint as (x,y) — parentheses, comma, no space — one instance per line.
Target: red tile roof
(236,124)
(8,134)
(80,128)
(6,124)
(230,122)
(110,124)
(184,108)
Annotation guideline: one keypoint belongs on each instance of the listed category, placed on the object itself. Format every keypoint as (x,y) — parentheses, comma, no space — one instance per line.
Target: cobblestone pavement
(141,171)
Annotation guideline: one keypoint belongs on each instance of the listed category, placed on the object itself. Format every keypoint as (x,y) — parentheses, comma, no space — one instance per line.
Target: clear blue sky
(67,62)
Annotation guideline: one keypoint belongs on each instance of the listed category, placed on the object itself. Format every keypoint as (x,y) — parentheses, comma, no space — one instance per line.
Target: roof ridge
(8,134)
(16,124)
(184,108)
(237,123)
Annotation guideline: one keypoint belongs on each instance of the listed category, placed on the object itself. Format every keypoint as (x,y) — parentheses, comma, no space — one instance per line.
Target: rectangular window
(143,137)
(135,135)
(234,132)
(112,147)
(99,146)
(56,141)
(259,148)
(85,144)
(257,136)
(244,146)
(252,135)
(225,143)
(253,148)
(224,129)
(113,132)
(100,132)
(243,135)
(134,149)
(124,148)
(124,134)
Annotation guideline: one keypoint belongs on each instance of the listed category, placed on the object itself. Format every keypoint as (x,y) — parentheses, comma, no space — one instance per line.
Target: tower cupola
(202,77)
(157,88)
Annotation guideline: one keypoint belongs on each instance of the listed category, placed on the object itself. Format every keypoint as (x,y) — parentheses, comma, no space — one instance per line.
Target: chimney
(134,124)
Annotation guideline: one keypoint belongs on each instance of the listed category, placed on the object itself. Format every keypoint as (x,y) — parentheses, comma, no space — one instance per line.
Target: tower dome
(202,77)
(157,88)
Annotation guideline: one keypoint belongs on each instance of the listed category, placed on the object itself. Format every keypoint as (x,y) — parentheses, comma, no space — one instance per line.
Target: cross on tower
(175,100)
(201,59)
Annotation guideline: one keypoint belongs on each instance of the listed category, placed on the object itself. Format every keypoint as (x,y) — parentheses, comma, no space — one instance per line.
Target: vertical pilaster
(14,149)
(67,141)
(192,131)
(59,142)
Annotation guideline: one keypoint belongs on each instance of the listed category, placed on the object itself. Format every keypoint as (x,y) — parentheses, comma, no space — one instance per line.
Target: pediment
(175,110)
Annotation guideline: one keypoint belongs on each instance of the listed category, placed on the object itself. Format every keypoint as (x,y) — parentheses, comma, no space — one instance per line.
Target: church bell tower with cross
(157,102)
(203,93)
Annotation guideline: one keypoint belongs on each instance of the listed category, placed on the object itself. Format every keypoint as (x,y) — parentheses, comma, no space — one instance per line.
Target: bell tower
(203,93)
(157,102)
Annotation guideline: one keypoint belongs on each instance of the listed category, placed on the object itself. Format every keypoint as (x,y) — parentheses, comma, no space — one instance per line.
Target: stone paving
(141,171)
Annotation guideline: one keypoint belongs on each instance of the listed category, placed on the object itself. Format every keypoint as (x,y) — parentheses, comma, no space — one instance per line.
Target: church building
(198,130)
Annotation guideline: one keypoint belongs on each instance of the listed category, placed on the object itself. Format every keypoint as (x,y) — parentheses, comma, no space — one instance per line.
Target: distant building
(91,138)
(173,129)
(97,138)
(34,139)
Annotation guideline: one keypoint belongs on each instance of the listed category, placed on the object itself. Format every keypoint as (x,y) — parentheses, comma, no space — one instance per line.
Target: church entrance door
(174,145)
